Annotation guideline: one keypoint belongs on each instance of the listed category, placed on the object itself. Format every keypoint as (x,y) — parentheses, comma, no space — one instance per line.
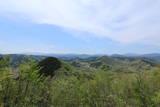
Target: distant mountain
(153,58)
(86,62)
(72,55)
(153,55)
(131,55)
(117,55)
(63,56)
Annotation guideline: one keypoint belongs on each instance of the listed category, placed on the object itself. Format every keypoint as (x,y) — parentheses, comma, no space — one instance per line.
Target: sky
(80,26)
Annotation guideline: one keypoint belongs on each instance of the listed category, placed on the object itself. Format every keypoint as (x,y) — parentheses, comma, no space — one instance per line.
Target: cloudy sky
(80,26)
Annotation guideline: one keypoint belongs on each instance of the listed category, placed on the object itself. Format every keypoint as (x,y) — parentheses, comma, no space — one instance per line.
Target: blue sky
(80,26)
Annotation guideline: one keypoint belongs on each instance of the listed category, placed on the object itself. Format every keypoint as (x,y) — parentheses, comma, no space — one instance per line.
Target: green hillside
(31,81)
(116,64)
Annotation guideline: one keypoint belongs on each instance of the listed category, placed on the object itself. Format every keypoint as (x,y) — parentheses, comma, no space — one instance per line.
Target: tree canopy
(48,66)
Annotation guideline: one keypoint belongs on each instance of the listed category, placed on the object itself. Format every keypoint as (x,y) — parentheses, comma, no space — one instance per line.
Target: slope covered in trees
(72,87)
(116,64)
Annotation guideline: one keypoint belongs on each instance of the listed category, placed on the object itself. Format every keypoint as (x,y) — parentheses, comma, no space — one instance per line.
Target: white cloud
(126,21)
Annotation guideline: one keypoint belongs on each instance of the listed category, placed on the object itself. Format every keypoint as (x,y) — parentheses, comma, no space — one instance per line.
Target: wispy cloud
(126,21)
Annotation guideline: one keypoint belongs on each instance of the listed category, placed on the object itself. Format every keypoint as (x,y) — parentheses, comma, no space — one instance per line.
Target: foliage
(25,87)
(49,66)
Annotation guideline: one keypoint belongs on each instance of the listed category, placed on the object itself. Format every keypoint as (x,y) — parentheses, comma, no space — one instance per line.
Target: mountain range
(72,55)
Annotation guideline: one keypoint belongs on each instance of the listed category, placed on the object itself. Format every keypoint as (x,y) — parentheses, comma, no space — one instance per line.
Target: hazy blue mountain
(64,56)
(153,55)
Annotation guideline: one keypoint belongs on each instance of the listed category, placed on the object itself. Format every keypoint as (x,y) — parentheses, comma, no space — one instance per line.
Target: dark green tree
(49,66)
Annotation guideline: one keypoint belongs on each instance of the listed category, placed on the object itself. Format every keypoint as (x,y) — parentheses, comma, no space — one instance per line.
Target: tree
(49,66)
(4,61)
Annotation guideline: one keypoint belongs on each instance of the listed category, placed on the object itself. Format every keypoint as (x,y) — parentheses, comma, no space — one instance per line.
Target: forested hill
(115,63)
(16,59)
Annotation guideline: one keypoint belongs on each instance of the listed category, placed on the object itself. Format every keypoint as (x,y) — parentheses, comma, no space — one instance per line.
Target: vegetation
(116,64)
(49,66)
(24,86)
